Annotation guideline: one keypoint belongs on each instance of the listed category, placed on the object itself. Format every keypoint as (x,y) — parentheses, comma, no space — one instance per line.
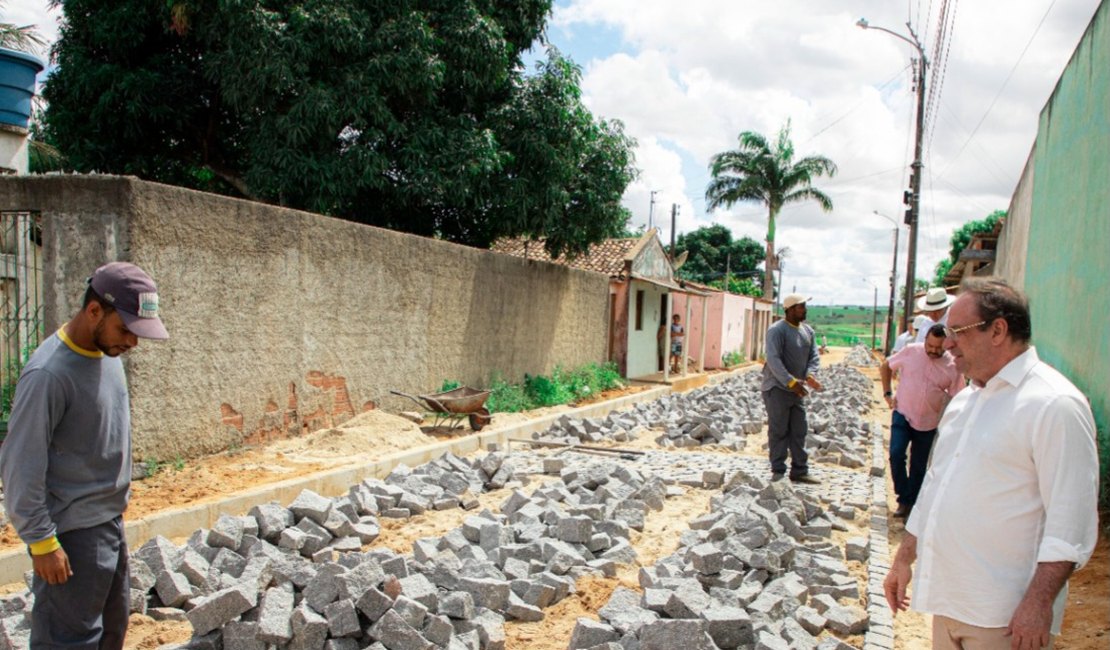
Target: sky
(686,78)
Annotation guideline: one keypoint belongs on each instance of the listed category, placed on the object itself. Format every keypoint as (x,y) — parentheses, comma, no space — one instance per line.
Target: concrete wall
(736,316)
(726,327)
(1013,241)
(1067,265)
(642,343)
(284,321)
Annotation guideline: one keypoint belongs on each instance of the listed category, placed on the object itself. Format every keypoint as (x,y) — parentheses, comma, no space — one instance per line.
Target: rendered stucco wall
(284,321)
(1067,265)
(736,317)
(1013,241)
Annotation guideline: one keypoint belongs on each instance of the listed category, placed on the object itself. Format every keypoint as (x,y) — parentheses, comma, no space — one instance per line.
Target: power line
(854,107)
(1003,87)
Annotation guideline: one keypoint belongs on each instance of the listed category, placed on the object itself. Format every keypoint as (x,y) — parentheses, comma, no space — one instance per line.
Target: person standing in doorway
(677,332)
(791,361)
(66,462)
(927,380)
(1009,506)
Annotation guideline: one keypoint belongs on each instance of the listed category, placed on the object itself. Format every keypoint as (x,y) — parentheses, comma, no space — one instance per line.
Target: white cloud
(688,77)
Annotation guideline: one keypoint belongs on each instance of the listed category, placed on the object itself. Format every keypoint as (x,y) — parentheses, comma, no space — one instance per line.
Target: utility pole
(914,213)
(912,197)
(874,315)
(651,210)
(728,268)
(674,222)
(888,343)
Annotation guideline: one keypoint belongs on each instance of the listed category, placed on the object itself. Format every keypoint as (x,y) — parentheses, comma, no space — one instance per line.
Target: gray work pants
(786,431)
(88,611)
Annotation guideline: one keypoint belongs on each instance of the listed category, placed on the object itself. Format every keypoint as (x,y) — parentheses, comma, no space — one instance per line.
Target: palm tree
(757,172)
(24,38)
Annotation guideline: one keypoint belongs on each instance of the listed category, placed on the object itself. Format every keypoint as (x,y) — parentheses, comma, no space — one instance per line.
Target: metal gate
(21,309)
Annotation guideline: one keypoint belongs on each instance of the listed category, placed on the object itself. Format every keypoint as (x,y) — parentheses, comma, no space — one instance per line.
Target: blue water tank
(17,86)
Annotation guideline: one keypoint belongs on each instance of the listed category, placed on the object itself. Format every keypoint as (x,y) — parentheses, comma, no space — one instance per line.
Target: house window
(639,310)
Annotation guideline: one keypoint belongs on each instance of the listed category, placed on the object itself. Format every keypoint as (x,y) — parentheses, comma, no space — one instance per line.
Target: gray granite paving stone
(173,588)
(669,634)
(312,506)
(310,630)
(241,635)
(275,613)
(589,633)
(213,611)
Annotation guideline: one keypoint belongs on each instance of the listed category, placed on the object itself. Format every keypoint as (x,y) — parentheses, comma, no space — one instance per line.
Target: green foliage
(712,250)
(152,466)
(547,391)
(24,38)
(12,370)
(449,384)
(416,116)
(733,359)
(507,398)
(766,173)
(741,286)
(961,239)
(562,387)
(178,464)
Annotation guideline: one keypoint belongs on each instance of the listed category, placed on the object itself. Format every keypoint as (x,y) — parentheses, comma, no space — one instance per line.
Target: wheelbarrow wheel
(479,419)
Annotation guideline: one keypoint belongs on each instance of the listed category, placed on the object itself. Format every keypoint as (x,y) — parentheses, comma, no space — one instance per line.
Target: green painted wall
(1067,272)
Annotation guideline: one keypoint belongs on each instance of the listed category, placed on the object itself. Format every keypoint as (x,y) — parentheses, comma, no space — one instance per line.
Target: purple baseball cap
(133,294)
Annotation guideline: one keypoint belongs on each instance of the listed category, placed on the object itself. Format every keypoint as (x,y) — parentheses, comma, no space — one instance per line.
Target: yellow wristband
(45,547)
(793,382)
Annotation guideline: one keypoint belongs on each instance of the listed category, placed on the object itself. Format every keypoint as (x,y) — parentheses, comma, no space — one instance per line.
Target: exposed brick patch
(230,416)
(369,405)
(277,423)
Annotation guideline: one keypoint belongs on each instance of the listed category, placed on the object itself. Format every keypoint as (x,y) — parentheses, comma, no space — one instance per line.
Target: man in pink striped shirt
(927,379)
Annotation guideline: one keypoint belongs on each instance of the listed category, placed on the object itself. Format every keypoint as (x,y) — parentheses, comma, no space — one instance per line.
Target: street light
(874,311)
(915,176)
(889,342)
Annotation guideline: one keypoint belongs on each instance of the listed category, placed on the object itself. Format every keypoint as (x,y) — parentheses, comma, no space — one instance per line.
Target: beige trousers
(950,634)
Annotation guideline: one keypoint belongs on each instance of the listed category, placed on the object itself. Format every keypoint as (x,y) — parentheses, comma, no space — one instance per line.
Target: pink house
(732,323)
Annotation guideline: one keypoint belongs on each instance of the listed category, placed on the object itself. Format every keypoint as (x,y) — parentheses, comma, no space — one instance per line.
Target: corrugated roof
(604,257)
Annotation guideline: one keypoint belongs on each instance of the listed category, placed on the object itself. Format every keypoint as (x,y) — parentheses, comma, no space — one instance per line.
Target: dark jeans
(786,431)
(88,611)
(903,437)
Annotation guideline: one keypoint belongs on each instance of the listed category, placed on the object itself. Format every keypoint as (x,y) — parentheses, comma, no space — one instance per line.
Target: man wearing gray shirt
(66,462)
(791,359)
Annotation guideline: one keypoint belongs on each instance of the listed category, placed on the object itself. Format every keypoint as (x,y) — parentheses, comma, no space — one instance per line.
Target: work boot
(805,478)
(777,476)
(903,511)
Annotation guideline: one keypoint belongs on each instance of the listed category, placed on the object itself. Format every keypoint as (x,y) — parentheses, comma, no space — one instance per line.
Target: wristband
(793,383)
(45,547)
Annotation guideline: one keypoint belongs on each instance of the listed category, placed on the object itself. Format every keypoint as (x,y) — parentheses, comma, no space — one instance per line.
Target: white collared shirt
(1013,482)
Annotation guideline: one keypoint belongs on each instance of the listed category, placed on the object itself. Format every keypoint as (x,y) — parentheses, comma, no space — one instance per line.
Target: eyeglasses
(955,333)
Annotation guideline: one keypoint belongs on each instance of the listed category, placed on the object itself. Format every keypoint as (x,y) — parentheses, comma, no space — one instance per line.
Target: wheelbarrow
(452,406)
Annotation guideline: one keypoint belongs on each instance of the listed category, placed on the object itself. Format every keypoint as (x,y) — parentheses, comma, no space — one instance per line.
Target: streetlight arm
(862,23)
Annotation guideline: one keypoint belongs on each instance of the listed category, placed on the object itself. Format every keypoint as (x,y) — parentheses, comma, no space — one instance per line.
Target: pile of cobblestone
(860,355)
(297,577)
(759,570)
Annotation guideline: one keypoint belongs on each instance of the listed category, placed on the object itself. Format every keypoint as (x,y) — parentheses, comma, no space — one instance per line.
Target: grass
(561,387)
(846,325)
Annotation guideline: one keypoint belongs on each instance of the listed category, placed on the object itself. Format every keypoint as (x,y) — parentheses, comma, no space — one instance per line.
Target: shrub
(505,397)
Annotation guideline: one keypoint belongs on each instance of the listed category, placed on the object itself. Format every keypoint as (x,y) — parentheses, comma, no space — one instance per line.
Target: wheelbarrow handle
(412,397)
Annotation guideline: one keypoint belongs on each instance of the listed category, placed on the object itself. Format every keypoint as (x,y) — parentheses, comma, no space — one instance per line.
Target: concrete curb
(880,633)
(181,522)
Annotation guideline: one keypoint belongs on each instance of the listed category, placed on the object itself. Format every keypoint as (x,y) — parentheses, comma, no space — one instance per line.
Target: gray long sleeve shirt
(790,353)
(66,462)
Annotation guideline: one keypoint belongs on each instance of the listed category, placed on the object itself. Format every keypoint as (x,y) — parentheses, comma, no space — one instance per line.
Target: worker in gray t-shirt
(66,462)
(791,359)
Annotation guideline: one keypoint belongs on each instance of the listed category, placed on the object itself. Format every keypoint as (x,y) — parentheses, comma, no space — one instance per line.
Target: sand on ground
(377,433)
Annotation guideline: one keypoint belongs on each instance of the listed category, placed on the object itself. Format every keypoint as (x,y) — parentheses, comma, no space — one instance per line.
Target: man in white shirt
(934,306)
(1008,507)
(907,337)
